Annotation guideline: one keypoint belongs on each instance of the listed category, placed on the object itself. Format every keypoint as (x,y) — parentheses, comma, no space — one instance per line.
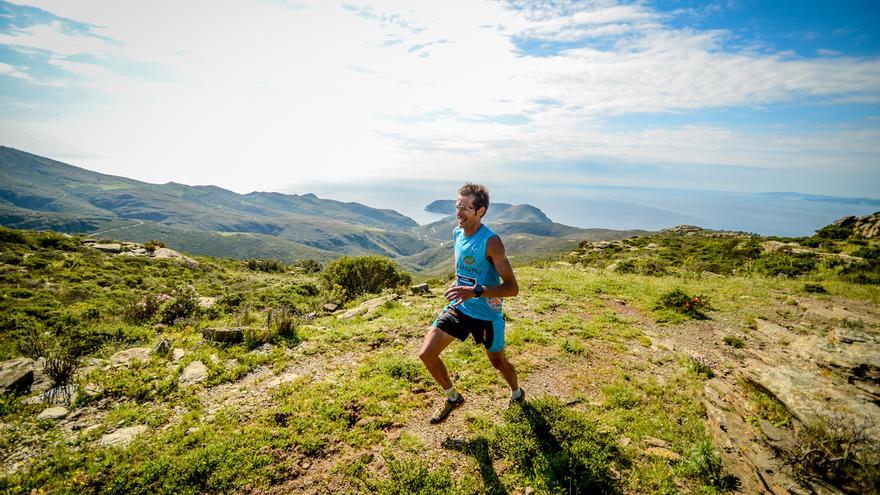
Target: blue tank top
(472,267)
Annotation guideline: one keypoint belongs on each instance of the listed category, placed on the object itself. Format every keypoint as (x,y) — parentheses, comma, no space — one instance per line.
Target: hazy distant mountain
(498,212)
(39,193)
(823,198)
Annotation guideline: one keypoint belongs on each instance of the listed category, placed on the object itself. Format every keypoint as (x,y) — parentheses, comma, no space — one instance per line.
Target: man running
(483,276)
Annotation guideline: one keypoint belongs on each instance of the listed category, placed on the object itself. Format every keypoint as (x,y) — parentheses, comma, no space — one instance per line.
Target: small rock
(624,441)
(265,348)
(655,442)
(193,373)
(662,453)
(122,436)
(223,334)
(177,354)
(53,413)
(331,307)
(126,357)
(420,289)
(207,302)
(162,348)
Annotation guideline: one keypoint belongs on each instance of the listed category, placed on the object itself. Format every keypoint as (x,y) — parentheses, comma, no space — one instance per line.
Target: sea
(788,214)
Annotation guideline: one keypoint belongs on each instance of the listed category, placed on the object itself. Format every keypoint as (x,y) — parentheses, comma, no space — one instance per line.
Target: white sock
(516,394)
(451,394)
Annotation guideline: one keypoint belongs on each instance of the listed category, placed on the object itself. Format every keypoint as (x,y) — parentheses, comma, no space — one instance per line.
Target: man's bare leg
(435,341)
(500,362)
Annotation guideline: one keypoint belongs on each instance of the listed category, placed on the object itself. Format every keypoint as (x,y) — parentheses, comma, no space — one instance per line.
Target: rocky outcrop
(135,249)
(867,227)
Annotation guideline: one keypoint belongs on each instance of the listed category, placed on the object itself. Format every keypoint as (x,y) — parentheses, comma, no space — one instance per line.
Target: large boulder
(16,375)
(165,253)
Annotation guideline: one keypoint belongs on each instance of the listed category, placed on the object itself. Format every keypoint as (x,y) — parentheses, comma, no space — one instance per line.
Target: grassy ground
(336,406)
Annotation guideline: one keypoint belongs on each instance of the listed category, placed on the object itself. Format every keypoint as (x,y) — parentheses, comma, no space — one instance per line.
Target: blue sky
(736,95)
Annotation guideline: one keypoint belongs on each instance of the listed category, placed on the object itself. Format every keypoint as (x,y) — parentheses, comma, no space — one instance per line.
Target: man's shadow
(479,449)
(562,470)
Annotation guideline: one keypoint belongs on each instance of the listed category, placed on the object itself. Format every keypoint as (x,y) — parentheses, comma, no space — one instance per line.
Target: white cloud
(13,71)
(253,95)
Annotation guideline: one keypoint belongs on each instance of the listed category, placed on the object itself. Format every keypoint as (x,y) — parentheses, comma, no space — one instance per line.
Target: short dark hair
(480,193)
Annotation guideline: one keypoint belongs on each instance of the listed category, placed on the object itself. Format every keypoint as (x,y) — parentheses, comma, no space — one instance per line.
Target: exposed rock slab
(114,248)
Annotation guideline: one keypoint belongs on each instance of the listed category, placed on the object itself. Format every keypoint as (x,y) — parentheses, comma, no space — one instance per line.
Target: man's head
(471,205)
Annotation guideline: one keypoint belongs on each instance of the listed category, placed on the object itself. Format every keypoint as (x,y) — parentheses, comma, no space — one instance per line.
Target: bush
(12,236)
(309,265)
(144,309)
(786,264)
(268,266)
(815,289)
(61,366)
(835,232)
(181,303)
(734,341)
(677,300)
(153,245)
(364,275)
(51,240)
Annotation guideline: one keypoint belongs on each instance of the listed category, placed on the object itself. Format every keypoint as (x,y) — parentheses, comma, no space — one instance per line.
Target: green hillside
(681,362)
(42,194)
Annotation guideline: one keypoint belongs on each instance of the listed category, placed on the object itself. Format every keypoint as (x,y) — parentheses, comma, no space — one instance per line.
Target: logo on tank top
(469,260)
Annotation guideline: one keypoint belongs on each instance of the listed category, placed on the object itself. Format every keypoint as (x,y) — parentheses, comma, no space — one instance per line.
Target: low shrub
(680,302)
(706,465)
(61,366)
(838,451)
(364,275)
(734,341)
(153,245)
(815,289)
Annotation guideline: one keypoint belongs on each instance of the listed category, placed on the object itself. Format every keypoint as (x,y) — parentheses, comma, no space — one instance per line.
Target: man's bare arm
(498,256)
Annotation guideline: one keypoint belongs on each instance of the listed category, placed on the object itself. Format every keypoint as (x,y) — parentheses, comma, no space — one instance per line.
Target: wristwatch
(478,290)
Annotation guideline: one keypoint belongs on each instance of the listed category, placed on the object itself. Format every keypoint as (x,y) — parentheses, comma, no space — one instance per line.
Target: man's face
(465,211)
